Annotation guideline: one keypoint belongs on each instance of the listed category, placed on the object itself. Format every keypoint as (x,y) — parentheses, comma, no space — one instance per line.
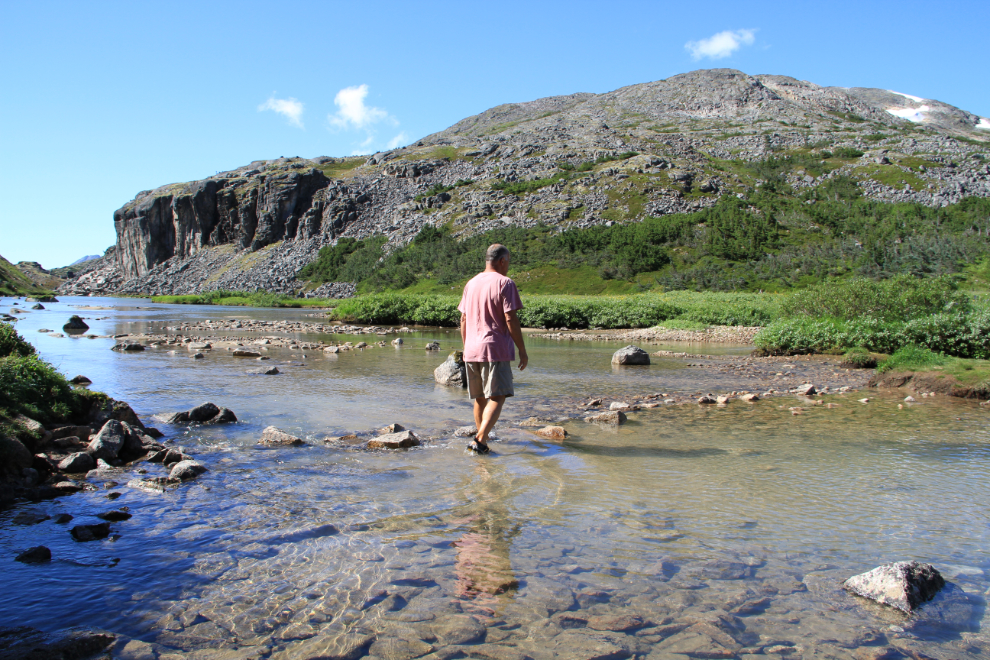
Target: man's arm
(464,330)
(517,336)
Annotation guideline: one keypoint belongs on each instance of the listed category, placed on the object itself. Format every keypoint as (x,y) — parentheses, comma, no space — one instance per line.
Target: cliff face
(254,227)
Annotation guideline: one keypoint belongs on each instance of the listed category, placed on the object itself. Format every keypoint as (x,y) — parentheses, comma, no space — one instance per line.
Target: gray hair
(495,252)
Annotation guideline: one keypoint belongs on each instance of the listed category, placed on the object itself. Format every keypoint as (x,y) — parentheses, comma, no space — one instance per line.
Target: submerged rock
(631,355)
(905,585)
(612,418)
(552,432)
(36,555)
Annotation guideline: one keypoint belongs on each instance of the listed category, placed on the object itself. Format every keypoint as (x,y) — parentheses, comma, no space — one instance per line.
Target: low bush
(12,343)
(897,299)
(913,358)
(859,358)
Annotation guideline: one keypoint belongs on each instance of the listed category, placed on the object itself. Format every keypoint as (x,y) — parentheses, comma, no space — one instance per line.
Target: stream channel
(690,531)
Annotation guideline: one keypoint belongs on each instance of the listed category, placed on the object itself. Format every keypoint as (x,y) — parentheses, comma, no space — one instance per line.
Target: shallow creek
(689,532)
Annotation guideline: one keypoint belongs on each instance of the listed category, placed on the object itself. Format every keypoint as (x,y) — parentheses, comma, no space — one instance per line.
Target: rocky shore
(722,334)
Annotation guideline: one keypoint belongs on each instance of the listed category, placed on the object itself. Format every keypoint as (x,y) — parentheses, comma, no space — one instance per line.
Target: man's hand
(523,360)
(515,329)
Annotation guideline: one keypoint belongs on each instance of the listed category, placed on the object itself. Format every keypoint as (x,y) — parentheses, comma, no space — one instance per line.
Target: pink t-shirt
(487,298)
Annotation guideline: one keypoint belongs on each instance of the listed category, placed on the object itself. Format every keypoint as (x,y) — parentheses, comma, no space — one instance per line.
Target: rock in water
(452,371)
(84,533)
(203,412)
(905,585)
(35,555)
(612,418)
(394,441)
(631,355)
(184,470)
(75,323)
(80,380)
(225,416)
(552,432)
(78,462)
(109,441)
(274,437)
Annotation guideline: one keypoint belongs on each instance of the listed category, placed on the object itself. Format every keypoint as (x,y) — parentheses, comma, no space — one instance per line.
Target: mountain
(14,282)
(88,257)
(653,149)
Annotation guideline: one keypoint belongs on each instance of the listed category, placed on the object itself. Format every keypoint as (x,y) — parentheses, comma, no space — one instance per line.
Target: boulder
(185,470)
(39,434)
(452,371)
(266,371)
(391,428)
(466,431)
(706,400)
(78,462)
(394,441)
(14,458)
(619,405)
(128,347)
(203,412)
(631,355)
(805,390)
(114,516)
(171,457)
(112,409)
(225,416)
(135,443)
(83,533)
(243,352)
(174,418)
(80,380)
(274,437)
(905,585)
(36,555)
(433,346)
(552,432)
(332,349)
(611,418)
(75,323)
(109,441)
(749,398)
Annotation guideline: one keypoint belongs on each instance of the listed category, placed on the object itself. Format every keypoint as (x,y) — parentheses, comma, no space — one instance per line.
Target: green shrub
(846,152)
(437,310)
(859,358)
(12,343)
(800,335)
(381,308)
(912,358)
(897,299)
(31,386)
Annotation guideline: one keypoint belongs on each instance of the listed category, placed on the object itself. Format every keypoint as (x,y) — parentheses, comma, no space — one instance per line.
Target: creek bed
(689,532)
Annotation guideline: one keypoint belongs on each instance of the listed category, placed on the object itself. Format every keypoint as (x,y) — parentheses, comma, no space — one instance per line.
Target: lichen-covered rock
(631,355)
(905,585)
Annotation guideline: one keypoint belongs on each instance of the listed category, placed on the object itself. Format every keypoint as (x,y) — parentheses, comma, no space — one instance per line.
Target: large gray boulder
(185,470)
(109,441)
(452,371)
(402,440)
(631,355)
(905,585)
(78,462)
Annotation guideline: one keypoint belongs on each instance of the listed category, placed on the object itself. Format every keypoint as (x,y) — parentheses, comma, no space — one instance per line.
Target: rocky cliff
(255,227)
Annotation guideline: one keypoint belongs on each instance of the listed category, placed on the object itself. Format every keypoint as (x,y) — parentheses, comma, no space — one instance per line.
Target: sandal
(478,447)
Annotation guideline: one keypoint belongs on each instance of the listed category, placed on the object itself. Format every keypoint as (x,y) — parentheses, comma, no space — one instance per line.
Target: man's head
(497,258)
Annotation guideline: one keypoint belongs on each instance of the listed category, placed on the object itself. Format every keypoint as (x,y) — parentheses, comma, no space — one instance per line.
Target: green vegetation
(15,283)
(439,188)
(342,167)
(32,387)
(240,299)
(859,358)
(971,375)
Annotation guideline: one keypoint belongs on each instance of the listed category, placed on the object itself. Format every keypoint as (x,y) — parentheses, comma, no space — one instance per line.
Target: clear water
(726,531)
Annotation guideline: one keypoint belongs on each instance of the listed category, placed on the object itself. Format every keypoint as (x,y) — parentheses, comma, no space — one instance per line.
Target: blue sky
(104,99)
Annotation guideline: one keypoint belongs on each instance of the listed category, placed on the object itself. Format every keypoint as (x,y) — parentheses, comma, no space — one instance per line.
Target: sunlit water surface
(743,519)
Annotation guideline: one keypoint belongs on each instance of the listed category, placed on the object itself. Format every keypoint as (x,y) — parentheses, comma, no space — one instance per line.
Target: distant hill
(14,282)
(577,162)
(88,257)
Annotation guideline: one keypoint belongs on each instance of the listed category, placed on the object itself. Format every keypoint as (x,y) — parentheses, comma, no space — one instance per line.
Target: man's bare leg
(479,409)
(489,416)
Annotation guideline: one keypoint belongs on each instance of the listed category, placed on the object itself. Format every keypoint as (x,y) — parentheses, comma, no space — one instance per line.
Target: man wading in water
(489,327)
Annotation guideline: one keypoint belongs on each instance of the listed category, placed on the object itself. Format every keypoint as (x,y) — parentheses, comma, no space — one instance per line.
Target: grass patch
(340,169)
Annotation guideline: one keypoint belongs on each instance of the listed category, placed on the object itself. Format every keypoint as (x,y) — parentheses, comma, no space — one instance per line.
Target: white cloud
(721,45)
(353,113)
(289,108)
(398,140)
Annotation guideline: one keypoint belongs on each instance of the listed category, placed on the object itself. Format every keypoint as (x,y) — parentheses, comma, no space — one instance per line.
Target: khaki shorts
(488,379)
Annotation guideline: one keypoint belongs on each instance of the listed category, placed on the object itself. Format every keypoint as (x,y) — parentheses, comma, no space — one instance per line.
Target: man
(490,330)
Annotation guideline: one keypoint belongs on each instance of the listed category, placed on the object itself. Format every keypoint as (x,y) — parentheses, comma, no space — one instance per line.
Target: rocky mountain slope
(253,228)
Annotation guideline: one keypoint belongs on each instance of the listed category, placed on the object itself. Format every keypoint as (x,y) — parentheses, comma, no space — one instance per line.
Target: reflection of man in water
(483,566)
(489,328)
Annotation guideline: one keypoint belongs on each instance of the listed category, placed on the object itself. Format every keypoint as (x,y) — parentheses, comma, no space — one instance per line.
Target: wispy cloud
(720,45)
(289,108)
(353,113)
(398,140)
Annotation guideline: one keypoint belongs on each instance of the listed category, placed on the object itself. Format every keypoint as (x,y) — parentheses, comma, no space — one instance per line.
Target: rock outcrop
(255,227)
